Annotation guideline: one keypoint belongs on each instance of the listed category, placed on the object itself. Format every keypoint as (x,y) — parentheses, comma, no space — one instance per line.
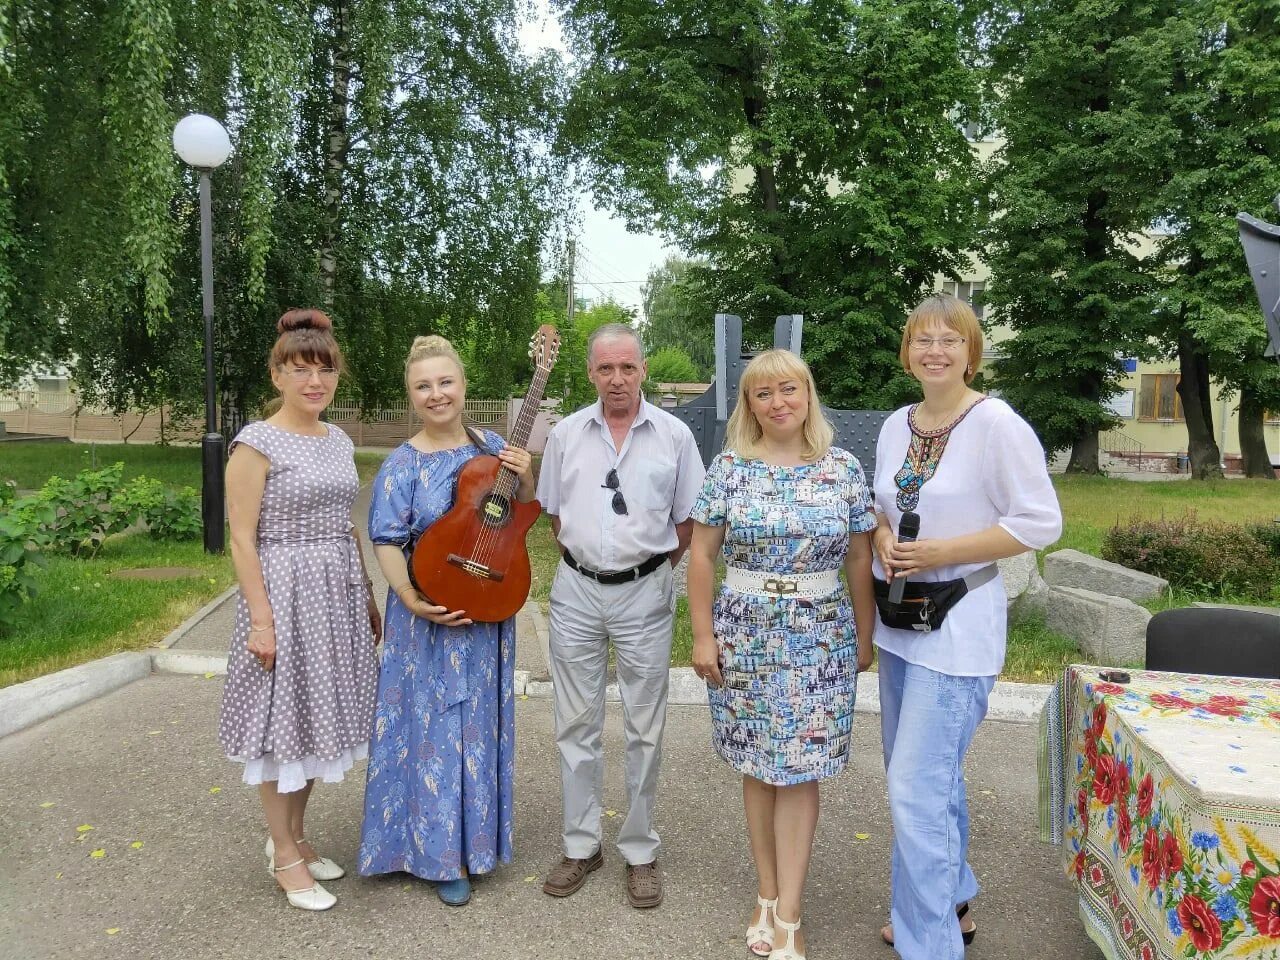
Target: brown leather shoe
(644,885)
(568,876)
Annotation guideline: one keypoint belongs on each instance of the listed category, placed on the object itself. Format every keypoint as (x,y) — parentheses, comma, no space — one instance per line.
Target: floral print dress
(785,711)
(438,801)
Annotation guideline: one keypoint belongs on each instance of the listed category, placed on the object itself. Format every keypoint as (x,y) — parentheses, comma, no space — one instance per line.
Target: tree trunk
(1193,388)
(337,142)
(1253,441)
(1084,453)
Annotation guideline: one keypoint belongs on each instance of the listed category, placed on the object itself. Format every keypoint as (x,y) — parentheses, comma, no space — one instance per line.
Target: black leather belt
(609,577)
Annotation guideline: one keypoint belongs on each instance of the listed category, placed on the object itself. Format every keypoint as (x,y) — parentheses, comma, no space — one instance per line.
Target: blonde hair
(743,432)
(426,348)
(949,311)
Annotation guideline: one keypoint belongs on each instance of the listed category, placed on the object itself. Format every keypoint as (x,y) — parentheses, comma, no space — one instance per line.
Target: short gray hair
(613,331)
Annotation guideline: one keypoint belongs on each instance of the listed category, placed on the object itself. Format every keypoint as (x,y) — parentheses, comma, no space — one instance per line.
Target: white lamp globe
(201,141)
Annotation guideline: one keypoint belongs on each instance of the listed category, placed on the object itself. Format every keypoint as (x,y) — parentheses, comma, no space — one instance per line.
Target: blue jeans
(927,720)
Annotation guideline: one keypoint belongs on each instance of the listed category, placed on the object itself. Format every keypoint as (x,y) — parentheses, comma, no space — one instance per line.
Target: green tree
(679,312)
(1074,184)
(672,365)
(805,151)
(389,166)
(569,381)
(1226,87)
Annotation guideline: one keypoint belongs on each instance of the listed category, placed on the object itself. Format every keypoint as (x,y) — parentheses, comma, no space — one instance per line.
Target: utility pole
(569,284)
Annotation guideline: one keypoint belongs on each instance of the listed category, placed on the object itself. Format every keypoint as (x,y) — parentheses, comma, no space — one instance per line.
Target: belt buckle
(780,587)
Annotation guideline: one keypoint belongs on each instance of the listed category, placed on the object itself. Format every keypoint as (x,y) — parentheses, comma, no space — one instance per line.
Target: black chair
(1215,640)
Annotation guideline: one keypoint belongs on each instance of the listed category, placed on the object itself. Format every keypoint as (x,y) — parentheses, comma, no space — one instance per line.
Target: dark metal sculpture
(1261,242)
(708,414)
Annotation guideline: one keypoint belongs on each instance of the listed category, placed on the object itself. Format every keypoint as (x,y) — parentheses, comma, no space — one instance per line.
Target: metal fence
(57,414)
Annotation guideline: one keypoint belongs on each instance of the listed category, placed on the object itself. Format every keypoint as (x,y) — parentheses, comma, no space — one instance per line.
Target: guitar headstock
(544,347)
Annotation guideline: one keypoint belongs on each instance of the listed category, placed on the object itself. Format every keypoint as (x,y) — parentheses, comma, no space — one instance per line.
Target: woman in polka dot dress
(298,702)
(438,803)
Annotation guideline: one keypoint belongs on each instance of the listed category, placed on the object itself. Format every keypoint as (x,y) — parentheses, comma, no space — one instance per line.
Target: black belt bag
(924,605)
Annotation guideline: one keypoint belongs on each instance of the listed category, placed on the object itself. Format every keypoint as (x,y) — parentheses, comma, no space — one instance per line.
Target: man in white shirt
(619,479)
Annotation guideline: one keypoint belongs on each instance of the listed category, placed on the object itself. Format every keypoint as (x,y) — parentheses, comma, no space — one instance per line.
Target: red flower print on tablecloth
(1109,689)
(1099,719)
(1082,806)
(1146,794)
(1200,924)
(1124,827)
(1171,701)
(1146,953)
(1090,749)
(1248,868)
(1104,780)
(1264,906)
(1152,857)
(1172,855)
(1122,782)
(1077,866)
(1096,876)
(1224,705)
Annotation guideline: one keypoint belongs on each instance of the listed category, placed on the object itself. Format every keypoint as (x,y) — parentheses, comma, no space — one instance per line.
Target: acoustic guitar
(474,557)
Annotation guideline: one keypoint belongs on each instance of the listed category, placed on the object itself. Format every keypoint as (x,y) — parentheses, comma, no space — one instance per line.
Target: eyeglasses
(619,501)
(946,343)
(303,374)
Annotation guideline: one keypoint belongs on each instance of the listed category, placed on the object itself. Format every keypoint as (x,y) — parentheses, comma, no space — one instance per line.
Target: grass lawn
(31,464)
(82,612)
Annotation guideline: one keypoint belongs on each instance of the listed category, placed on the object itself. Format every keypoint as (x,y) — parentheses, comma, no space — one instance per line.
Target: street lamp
(203,144)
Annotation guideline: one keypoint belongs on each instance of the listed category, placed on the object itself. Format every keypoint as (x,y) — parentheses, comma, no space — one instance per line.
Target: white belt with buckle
(802,586)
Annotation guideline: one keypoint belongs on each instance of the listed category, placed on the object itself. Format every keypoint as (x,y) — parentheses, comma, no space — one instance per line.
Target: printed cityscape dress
(438,800)
(310,716)
(789,665)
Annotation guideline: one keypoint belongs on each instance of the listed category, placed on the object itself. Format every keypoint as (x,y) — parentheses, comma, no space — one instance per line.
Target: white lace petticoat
(294,774)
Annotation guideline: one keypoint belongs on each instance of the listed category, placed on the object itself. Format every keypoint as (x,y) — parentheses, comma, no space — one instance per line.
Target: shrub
(175,515)
(1204,557)
(1267,534)
(19,556)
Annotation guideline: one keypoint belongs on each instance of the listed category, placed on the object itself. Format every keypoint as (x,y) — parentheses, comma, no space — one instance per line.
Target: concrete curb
(26,704)
(1010,702)
(182,629)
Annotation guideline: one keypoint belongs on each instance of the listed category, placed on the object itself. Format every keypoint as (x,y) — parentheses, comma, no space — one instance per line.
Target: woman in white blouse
(974,472)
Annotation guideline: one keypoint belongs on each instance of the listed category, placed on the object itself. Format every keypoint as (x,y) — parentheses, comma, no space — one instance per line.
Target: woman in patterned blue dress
(782,644)
(438,803)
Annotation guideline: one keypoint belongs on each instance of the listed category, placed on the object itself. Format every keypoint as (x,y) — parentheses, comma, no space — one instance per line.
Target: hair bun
(305,319)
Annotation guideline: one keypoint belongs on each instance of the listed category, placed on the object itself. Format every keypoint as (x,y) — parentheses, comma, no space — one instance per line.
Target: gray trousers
(637,617)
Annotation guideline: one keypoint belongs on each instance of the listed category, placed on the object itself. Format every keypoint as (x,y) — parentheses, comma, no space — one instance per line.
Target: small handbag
(924,606)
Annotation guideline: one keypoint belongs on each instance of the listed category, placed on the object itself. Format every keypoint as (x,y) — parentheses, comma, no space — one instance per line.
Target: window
(1159,399)
(970,291)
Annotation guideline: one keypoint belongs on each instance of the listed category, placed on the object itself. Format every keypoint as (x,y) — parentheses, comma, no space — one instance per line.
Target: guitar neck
(518,436)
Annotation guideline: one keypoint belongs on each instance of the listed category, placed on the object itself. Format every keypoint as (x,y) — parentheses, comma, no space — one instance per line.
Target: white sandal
(321,868)
(787,952)
(314,897)
(762,932)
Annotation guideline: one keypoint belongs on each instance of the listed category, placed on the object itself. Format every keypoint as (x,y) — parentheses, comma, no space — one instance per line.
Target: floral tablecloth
(1165,794)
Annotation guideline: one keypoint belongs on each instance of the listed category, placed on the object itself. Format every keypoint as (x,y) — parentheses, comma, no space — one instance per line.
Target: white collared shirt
(659,475)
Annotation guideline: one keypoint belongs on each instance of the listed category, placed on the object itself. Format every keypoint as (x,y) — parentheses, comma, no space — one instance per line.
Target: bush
(176,515)
(1204,557)
(19,556)
(1267,534)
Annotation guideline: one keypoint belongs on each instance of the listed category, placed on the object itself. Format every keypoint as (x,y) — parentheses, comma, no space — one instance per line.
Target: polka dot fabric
(313,712)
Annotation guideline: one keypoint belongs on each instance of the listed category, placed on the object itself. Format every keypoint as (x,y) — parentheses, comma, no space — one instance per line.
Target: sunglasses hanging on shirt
(619,501)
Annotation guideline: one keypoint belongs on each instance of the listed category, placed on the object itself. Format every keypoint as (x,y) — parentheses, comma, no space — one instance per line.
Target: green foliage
(680,312)
(672,365)
(806,151)
(1075,183)
(1207,557)
(19,558)
(1267,534)
(569,380)
(170,513)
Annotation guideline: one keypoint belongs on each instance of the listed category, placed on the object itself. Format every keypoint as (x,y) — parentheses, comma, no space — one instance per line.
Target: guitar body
(474,557)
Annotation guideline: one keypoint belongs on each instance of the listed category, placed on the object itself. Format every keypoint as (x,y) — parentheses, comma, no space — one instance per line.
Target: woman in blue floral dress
(438,803)
(782,644)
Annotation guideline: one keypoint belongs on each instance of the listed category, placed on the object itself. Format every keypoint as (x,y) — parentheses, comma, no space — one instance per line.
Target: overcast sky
(611,262)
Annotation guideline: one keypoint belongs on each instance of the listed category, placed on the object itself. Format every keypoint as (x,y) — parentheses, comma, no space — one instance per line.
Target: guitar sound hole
(495,511)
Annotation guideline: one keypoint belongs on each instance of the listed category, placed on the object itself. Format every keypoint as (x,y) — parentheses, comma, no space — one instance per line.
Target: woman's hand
(517,459)
(262,645)
(882,541)
(866,654)
(918,556)
(706,660)
(419,606)
(375,620)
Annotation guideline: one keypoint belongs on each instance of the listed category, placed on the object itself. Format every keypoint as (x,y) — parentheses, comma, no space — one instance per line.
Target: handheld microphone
(908,531)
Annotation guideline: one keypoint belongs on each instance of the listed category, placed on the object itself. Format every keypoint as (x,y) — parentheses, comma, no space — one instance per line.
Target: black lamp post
(203,144)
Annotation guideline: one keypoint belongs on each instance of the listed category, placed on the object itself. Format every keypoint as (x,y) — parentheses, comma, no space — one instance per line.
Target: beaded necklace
(923,455)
